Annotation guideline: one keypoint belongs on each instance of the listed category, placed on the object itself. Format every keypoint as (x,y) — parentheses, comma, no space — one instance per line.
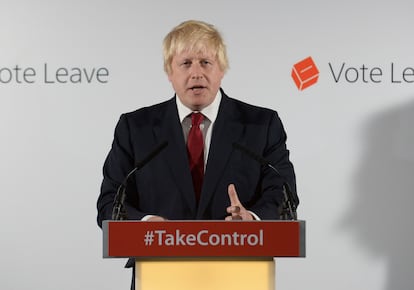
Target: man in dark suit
(228,183)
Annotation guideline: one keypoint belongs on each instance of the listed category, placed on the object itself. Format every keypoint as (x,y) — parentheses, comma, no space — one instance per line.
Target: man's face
(196,78)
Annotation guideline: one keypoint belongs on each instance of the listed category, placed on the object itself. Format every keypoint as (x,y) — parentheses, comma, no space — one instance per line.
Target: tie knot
(196,119)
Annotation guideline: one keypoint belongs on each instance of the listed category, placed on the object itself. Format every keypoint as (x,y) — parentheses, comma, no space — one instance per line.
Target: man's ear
(169,76)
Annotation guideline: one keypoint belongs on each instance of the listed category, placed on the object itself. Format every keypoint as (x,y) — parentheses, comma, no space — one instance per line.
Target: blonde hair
(195,36)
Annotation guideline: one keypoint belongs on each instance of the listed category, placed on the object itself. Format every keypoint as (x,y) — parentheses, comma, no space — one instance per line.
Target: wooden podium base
(205,274)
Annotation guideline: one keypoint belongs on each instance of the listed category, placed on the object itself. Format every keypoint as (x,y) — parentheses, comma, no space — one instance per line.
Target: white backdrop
(351,143)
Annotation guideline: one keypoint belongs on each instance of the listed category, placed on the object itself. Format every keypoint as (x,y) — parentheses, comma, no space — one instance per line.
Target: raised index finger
(234,199)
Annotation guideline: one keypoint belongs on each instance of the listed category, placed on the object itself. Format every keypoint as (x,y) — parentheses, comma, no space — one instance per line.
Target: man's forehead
(203,52)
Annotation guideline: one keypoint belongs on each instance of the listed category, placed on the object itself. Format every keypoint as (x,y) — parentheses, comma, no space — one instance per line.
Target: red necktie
(195,149)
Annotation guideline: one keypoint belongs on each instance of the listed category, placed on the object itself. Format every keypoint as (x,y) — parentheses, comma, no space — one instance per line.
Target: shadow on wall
(382,213)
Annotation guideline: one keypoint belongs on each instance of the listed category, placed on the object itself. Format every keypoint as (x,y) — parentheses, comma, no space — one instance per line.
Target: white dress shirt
(210,114)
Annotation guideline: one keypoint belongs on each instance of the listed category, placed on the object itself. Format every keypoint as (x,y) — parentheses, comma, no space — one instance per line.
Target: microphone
(118,212)
(289,205)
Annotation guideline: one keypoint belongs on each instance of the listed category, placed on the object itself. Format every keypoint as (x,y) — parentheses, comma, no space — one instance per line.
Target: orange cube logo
(305,73)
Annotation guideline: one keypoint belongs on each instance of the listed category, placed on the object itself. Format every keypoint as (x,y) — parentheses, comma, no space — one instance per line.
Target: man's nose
(196,71)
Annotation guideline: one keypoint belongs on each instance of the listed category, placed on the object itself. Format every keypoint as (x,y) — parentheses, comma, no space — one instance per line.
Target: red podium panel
(185,239)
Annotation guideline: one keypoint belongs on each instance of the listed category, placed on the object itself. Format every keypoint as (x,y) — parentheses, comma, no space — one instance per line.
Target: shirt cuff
(255,216)
(147,217)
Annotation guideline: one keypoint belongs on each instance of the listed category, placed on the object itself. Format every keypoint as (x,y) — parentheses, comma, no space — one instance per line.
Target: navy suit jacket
(164,186)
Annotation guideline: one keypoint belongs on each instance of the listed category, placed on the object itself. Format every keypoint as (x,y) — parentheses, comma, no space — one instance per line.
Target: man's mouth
(197,88)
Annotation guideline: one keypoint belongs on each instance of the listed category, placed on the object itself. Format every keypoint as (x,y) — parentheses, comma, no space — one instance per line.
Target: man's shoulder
(150,112)
(248,110)
(249,106)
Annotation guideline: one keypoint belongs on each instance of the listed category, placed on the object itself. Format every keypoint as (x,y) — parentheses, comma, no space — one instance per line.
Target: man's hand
(236,210)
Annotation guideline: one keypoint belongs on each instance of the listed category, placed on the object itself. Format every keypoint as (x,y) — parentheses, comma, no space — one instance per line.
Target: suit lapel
(169,128)
(227,129)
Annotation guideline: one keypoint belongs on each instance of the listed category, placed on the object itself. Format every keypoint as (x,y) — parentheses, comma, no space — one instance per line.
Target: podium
(204,255)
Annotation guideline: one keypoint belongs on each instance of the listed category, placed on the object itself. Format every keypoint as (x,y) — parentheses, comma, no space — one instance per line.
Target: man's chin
(198,105)
(197,101)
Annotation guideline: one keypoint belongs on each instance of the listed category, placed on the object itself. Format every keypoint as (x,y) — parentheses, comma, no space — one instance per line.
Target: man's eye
(186,63)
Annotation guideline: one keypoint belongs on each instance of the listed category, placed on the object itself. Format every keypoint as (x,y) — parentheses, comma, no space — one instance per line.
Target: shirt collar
(210,111)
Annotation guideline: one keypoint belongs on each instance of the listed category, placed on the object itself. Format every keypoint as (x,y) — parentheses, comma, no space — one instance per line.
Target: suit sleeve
(118,163)
(271,184)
